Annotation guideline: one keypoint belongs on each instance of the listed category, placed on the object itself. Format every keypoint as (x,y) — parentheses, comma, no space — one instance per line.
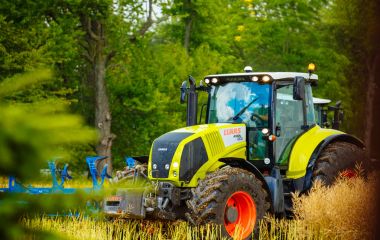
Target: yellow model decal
(304,148)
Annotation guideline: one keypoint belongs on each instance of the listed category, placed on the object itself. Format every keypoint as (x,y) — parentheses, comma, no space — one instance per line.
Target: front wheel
(231,197)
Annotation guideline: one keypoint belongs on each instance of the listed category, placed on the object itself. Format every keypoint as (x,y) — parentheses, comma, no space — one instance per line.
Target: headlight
(266,78)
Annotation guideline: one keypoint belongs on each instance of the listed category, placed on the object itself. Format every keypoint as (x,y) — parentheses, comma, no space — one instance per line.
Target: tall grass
(86,228)
(342,211)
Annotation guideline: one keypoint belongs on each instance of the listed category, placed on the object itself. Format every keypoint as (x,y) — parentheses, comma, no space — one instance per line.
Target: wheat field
(342,211)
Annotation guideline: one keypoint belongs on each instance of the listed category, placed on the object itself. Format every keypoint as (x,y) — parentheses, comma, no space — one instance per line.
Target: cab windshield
(246,102)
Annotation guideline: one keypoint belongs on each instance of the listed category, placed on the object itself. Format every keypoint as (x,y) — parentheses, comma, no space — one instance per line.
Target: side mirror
(299,88)
(184,88)
(183,92)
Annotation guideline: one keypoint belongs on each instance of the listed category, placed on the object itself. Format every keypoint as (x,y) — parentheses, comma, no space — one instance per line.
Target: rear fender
(318,150)
(304,148)
(335,138)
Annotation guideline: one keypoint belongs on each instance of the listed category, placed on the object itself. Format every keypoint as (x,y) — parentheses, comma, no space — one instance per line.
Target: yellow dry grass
(86,228)
(346,209)
(342,211)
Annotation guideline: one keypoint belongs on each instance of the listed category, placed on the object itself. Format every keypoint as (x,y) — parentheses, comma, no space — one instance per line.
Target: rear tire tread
(336,157)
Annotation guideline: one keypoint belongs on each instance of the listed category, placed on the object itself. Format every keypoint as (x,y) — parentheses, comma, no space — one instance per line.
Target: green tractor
(260,143)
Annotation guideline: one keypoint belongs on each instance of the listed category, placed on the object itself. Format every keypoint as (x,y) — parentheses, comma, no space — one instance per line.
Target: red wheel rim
(348,173)
(240,213)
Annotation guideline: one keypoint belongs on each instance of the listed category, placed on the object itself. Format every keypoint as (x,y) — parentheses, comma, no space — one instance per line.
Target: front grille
(163,151)
(113,203)
(215,142)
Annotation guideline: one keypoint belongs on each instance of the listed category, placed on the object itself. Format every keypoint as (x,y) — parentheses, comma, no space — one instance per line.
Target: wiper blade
(244,109)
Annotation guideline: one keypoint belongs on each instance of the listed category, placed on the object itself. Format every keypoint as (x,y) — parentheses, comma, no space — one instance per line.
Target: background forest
(119,63)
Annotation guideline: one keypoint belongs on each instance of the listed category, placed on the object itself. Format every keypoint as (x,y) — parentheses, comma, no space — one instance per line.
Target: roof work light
(311,68)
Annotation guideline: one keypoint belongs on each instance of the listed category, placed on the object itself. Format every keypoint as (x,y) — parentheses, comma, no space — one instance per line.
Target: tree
(200,22)
(354,25)
(100,23)
(93,17)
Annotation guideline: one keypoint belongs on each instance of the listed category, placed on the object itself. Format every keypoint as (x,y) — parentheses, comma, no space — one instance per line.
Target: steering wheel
(257,119)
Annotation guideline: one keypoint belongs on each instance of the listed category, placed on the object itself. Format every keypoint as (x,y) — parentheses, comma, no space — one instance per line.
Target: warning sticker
(233,135)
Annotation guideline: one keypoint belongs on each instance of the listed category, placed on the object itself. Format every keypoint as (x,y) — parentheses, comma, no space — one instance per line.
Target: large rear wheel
(339,159)
(231,197)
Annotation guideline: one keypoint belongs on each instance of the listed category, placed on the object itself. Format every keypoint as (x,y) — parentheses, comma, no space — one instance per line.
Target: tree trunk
(370,98)
(98,57)
(188,24)
(102,111)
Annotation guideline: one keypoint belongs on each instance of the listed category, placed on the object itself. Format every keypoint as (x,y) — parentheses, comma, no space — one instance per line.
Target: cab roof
(277,76)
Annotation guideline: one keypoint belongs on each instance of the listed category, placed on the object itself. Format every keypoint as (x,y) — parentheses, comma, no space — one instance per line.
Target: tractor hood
(179,154)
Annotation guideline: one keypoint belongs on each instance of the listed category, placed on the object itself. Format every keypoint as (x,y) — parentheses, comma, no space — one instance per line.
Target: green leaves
(30,134)
(145,71)
(22,81)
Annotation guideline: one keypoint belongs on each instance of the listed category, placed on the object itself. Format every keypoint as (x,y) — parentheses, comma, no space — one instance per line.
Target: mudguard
(318,150)
(334,138)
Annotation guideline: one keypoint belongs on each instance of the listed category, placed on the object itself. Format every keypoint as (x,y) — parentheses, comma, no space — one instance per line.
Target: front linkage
(138,197)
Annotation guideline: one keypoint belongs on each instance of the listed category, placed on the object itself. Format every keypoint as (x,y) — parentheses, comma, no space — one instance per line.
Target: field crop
(86,228)
(343,211)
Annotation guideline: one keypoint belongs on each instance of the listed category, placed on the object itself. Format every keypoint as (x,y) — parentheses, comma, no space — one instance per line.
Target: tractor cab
(322,109)
(320,106)
(276,108)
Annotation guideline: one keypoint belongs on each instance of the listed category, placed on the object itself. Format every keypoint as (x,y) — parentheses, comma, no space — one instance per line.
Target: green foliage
(351,28)
(34,132)
(31,134)
(147,67)
(144,93)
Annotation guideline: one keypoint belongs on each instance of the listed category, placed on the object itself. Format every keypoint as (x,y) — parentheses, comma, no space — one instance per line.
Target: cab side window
(310,114)
(288,119)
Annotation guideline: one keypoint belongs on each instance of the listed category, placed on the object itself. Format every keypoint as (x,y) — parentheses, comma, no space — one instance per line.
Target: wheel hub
(240,214)
(348,173)
(232,214)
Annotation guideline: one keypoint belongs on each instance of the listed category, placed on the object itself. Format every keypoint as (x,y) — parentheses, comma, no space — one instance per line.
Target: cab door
(290,119)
